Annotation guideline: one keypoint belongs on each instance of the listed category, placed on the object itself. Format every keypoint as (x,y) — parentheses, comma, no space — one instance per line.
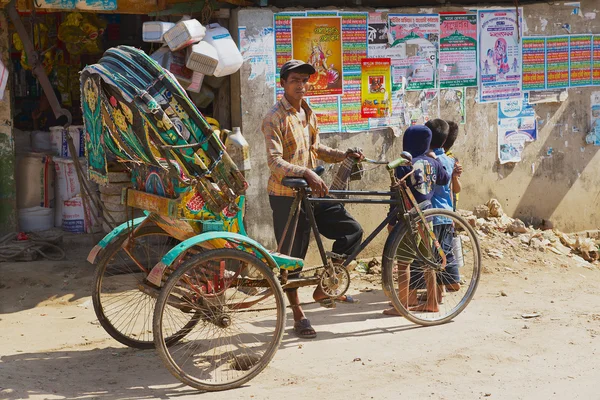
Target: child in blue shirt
(428,172)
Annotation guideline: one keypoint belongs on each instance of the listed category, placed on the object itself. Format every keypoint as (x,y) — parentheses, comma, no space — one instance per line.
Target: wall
(558,178)
(8,221)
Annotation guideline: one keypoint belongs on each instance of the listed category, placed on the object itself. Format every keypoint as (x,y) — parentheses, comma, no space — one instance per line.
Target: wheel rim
(239,321)
(459,279)
(125,301)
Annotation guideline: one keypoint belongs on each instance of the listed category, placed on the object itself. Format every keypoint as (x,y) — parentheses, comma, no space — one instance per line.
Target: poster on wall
(516,126)
(376,88)
(534,63)
(318,41)
(594,136)
(420,34)
(596,60)
(258,52)
(97,5)
(557,62)
(458,50)
(500,72)
(377,35)
(580,51)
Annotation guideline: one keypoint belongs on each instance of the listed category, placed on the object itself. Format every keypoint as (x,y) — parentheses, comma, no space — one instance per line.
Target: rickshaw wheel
(239,307)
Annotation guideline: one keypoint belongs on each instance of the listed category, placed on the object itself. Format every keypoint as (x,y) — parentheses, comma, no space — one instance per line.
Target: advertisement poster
(557,62)
(596,61)
(594,136)
(327,110)
(376,88)
(354,40)
(420,34)
(516,126)
(318,41)
(500,72)
(377,36)
(351,118)
(458,50)
(580,50)
(534,63)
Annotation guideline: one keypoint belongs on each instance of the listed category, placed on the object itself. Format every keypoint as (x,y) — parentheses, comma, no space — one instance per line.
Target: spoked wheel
(436,294)
(240,312)
(123,301)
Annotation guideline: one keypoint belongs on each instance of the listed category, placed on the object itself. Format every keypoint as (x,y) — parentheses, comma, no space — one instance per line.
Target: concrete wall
(558,178)
(8,221)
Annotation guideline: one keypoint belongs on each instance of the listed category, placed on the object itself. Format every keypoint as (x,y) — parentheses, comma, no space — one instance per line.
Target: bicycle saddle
(297,183)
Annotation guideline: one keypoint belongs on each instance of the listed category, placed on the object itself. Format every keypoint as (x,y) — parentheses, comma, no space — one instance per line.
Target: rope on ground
(11,248)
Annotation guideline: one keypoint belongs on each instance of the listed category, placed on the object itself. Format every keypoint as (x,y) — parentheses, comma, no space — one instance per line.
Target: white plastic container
(153,31)
(36,219)
(34,175)
(183,34)
(230,58)
(202,57)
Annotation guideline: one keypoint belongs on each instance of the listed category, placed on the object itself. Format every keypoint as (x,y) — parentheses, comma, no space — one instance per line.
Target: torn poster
(594,136)
(258,52)
(378,40)
(455,105)
(420,34)
(548,96)
(516,126)
(3,79)
(500,70)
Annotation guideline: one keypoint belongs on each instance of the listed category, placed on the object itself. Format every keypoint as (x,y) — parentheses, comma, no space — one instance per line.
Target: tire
(206,358)
(123,310)
(462,280)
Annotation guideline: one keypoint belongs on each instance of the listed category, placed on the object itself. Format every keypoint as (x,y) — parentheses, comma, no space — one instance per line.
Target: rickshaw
(185,277)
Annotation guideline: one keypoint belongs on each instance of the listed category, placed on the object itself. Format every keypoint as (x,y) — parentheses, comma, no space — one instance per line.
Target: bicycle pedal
(335,256)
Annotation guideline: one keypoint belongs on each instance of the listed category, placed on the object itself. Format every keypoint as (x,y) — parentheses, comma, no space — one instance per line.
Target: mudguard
(111,236)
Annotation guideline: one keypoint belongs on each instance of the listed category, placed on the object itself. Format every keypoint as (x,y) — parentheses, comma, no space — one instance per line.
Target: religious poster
(458,50)
(580,62)
(534,63)
(318,41)
(376,88)
(516,126)
(500,72)
(557,62)
(420,34)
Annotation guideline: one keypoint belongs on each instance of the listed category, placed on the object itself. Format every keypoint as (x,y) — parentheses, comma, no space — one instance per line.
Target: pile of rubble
(490,221)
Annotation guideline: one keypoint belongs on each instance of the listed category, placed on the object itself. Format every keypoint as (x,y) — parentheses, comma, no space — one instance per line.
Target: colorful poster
(580,50)
(318,41)
(534,63)
(596,62)
(354,40)
(327,110)
(377,34)
(500,72)
(516,126)
(557,62)
(258,52)
(420,34)
(594,136)
(283,44)
(458,50)
(376,88)
(351,117)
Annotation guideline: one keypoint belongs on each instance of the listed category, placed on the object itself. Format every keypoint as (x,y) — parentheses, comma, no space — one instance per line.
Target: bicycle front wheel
(240,312)
(431,291)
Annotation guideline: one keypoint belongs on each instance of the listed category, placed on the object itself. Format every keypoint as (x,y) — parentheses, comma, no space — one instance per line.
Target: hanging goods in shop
(202,57)
(230,58)
(184,33)
(82,33)
(153,31)
(141,115)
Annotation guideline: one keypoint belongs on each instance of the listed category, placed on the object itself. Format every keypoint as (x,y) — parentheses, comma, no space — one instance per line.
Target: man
(293,146)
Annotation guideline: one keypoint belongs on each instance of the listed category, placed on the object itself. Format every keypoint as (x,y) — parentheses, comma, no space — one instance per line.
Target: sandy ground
(51,346)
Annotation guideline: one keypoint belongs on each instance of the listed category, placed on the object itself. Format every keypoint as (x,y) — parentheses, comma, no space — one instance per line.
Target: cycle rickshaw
(185,278)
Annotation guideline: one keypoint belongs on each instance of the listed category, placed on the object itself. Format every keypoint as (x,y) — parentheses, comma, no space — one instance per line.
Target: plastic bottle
(238,149)
(230,58)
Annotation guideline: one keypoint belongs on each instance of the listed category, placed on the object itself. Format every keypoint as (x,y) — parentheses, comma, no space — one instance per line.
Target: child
(456,187)
(427,173)
(442,198)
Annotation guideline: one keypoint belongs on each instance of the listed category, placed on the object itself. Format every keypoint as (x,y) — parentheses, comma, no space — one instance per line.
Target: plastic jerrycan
(238,148)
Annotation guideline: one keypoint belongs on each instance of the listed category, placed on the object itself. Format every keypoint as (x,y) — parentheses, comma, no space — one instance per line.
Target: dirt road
(53,348)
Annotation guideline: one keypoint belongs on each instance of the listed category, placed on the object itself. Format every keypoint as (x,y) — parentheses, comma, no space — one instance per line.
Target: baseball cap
(297,66)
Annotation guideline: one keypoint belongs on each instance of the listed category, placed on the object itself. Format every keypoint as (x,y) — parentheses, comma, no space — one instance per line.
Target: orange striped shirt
(288,152)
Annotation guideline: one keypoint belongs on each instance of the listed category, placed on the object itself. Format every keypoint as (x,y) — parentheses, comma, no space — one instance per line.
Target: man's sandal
(304,330)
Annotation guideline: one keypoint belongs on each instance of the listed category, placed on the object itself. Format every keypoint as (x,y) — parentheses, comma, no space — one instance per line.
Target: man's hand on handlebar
(317,185)
(355,153)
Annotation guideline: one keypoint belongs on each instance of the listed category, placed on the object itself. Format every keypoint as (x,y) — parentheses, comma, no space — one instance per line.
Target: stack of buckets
(49,179)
